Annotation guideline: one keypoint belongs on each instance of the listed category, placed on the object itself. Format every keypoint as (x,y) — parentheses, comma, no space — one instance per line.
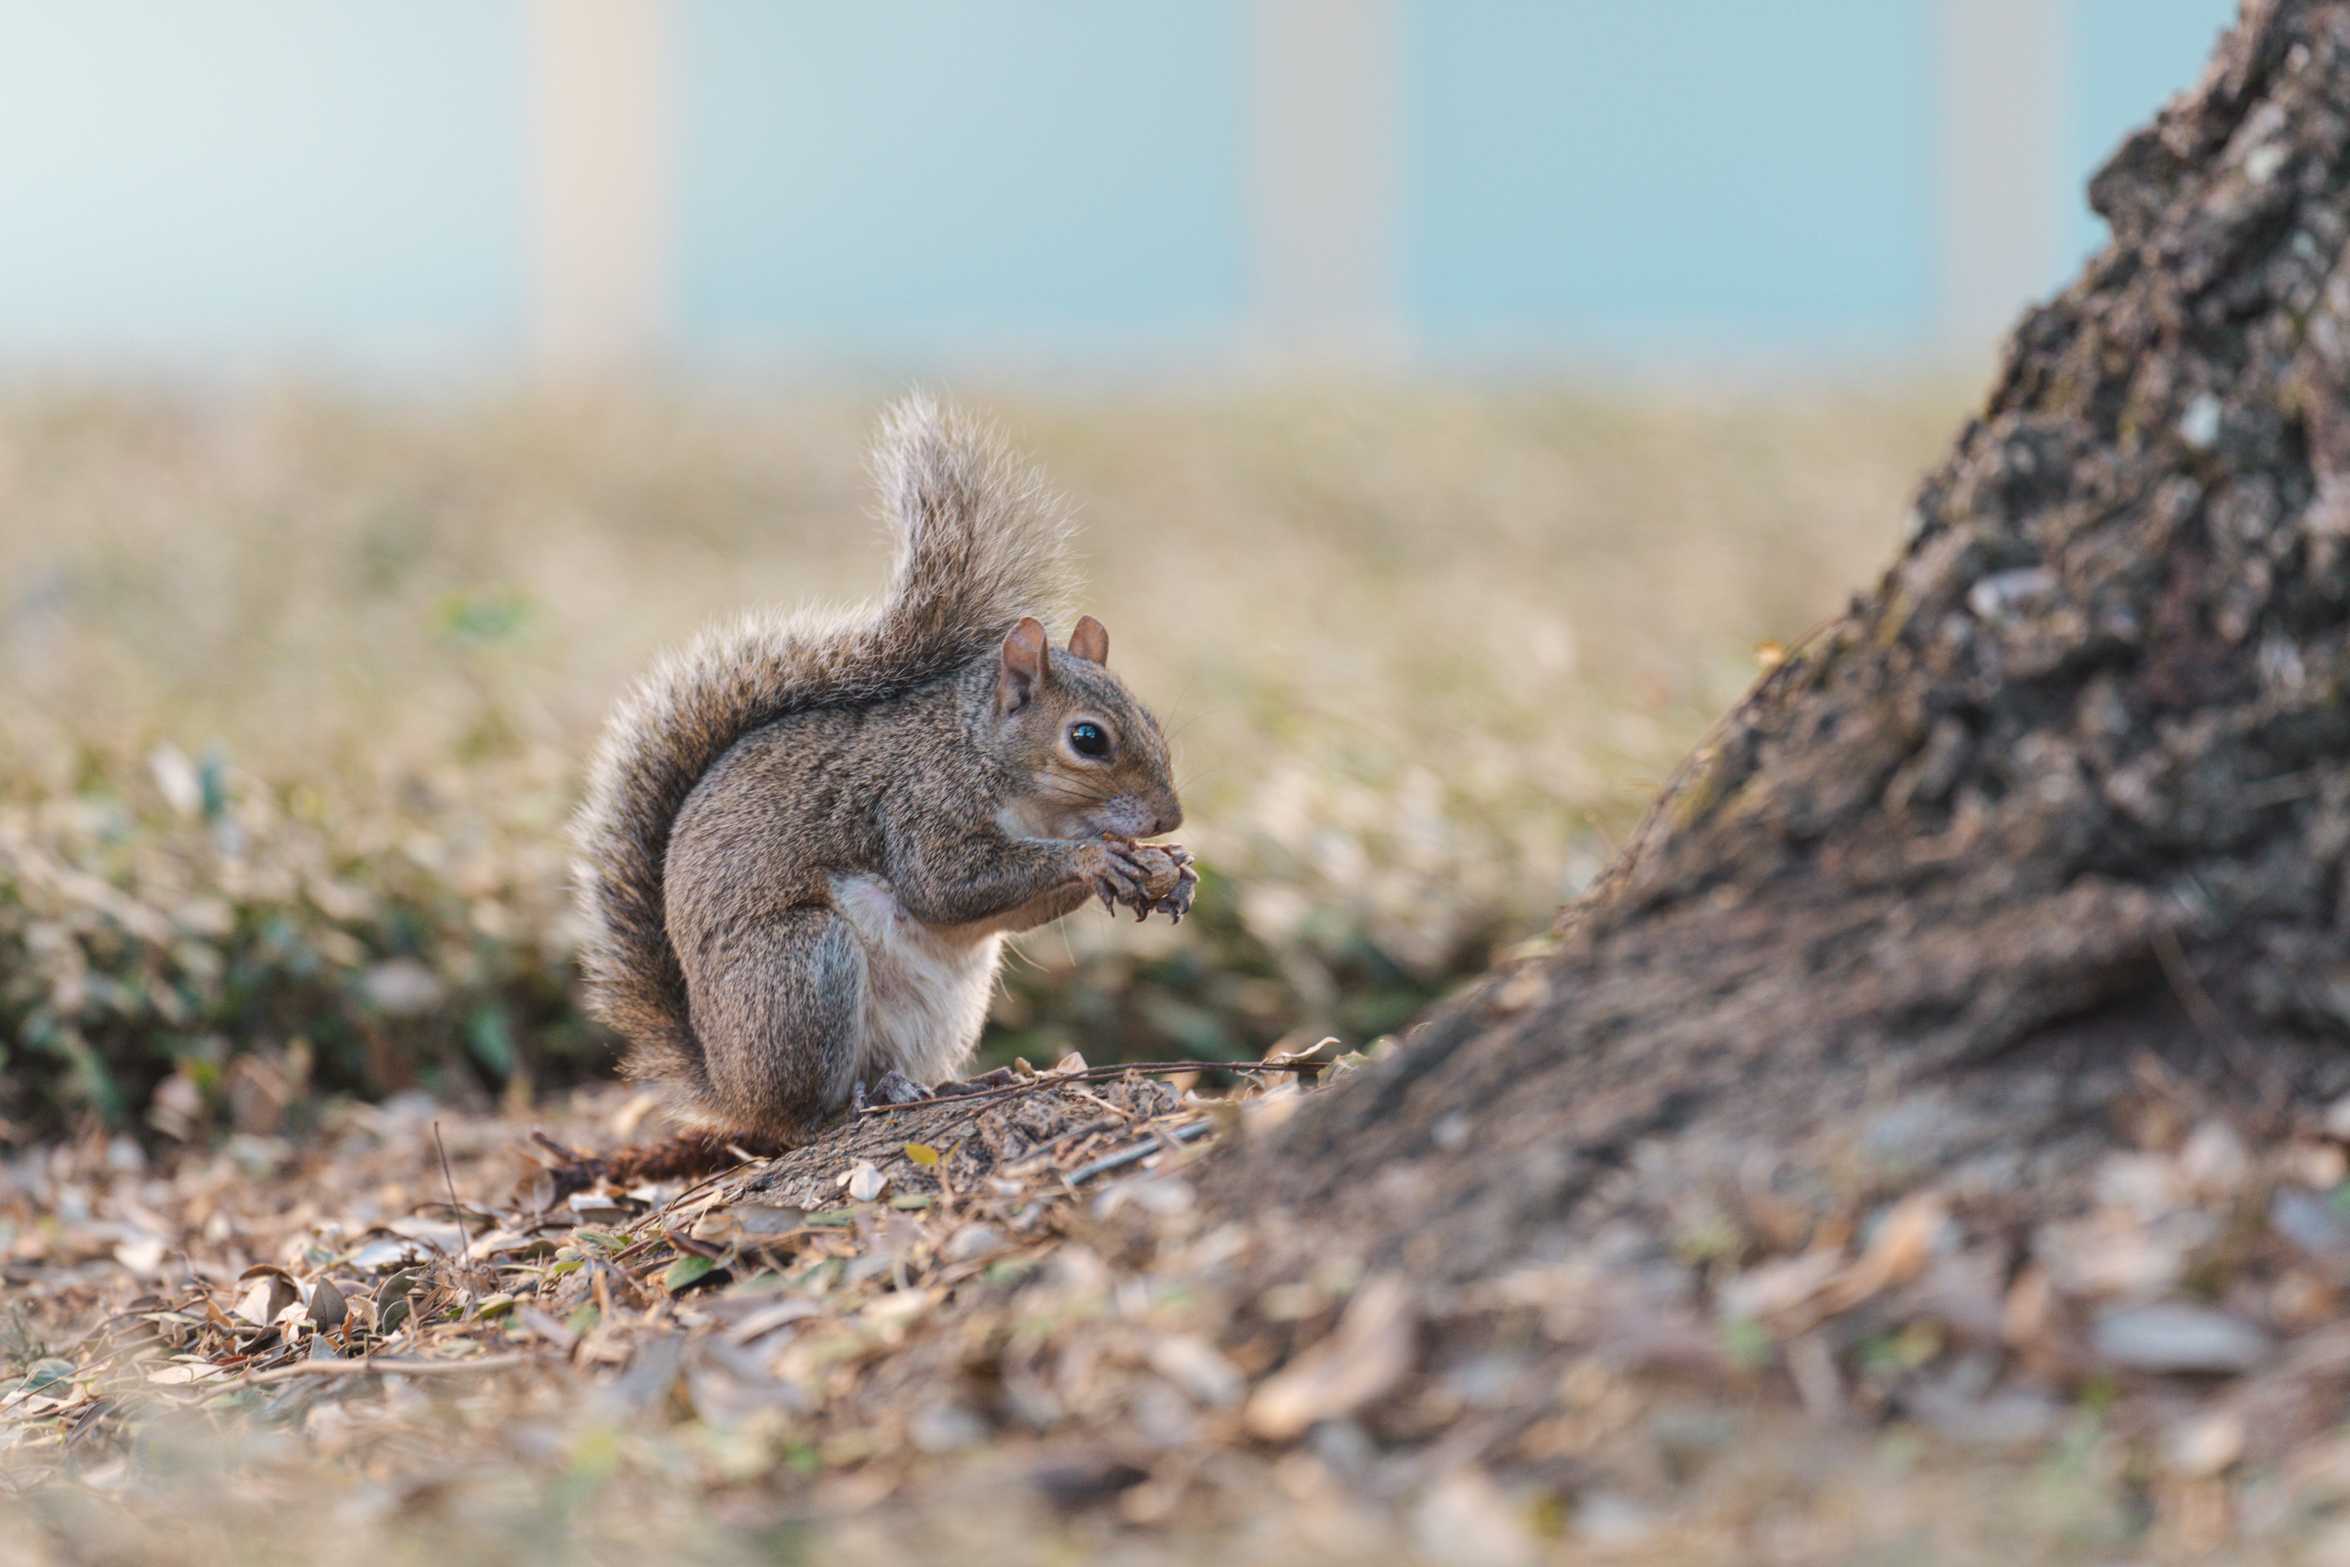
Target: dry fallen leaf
(1776,1287)
(547,1328)
(767,1319)
(327,1306)
(142,1254)
(1898,1251)
(1373,1348)
(717,1228)
(268,1294)
(2206,1445)
(1324,1049)
(1195,1366)
(768,1219)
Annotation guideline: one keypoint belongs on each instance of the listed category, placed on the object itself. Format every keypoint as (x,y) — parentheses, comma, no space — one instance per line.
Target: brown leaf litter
(1013,1313)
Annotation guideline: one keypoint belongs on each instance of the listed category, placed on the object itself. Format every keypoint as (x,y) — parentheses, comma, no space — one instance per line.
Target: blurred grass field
(294,690)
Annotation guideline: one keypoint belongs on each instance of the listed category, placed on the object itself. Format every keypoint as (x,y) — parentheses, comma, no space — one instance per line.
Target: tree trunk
(2067,787)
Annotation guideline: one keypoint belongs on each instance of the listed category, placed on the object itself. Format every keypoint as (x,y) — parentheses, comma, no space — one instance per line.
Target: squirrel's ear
(1026,659)
(1091,640)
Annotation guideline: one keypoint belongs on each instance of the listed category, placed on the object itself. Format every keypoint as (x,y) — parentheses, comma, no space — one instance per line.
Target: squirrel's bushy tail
(980,543)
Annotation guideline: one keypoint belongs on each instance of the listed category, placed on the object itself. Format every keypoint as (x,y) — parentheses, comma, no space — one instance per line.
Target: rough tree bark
(2067,786)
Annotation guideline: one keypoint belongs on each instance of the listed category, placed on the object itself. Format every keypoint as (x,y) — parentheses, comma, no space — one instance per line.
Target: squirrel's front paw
(1148,878)
(1114,868)
(1175,902)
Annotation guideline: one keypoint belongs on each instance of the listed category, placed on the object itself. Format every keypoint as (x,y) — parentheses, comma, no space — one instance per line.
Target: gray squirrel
(806,836)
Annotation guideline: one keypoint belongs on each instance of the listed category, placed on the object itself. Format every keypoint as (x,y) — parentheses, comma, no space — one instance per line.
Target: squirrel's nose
(1169,819)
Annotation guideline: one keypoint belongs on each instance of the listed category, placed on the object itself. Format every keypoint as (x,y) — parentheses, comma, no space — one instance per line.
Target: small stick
(1075,1136)
(638,1247)
(706,1181)
(456,1208)
(1125,1117)
(1157,1142)
(567,1155)
(386,1367)
(1098,1074)
(1080,1134)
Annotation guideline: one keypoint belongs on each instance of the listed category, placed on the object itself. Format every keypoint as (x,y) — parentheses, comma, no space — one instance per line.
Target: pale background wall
(482,186)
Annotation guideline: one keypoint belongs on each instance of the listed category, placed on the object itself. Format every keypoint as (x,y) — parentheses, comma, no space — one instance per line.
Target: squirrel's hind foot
(890,1088)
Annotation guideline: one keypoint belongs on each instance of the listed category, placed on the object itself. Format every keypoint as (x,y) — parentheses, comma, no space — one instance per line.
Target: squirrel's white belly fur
(926,992)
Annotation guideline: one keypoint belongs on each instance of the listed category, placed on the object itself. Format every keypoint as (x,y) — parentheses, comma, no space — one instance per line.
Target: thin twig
(644,1243)
(638,1247)
(670,1206)
(1075,1134)
(383,1366)
(567,1154)
(1157,1142)
(456,1208)
(1076,1137)
(1043,1081)
(1125,1117)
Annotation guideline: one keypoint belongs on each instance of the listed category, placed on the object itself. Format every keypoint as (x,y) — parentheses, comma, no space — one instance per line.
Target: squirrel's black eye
(1088,740)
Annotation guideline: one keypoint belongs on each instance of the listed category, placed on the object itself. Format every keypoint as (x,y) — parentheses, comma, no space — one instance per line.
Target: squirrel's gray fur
(804,835)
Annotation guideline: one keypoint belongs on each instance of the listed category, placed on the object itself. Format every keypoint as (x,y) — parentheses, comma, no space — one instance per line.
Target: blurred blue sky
(269,182)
